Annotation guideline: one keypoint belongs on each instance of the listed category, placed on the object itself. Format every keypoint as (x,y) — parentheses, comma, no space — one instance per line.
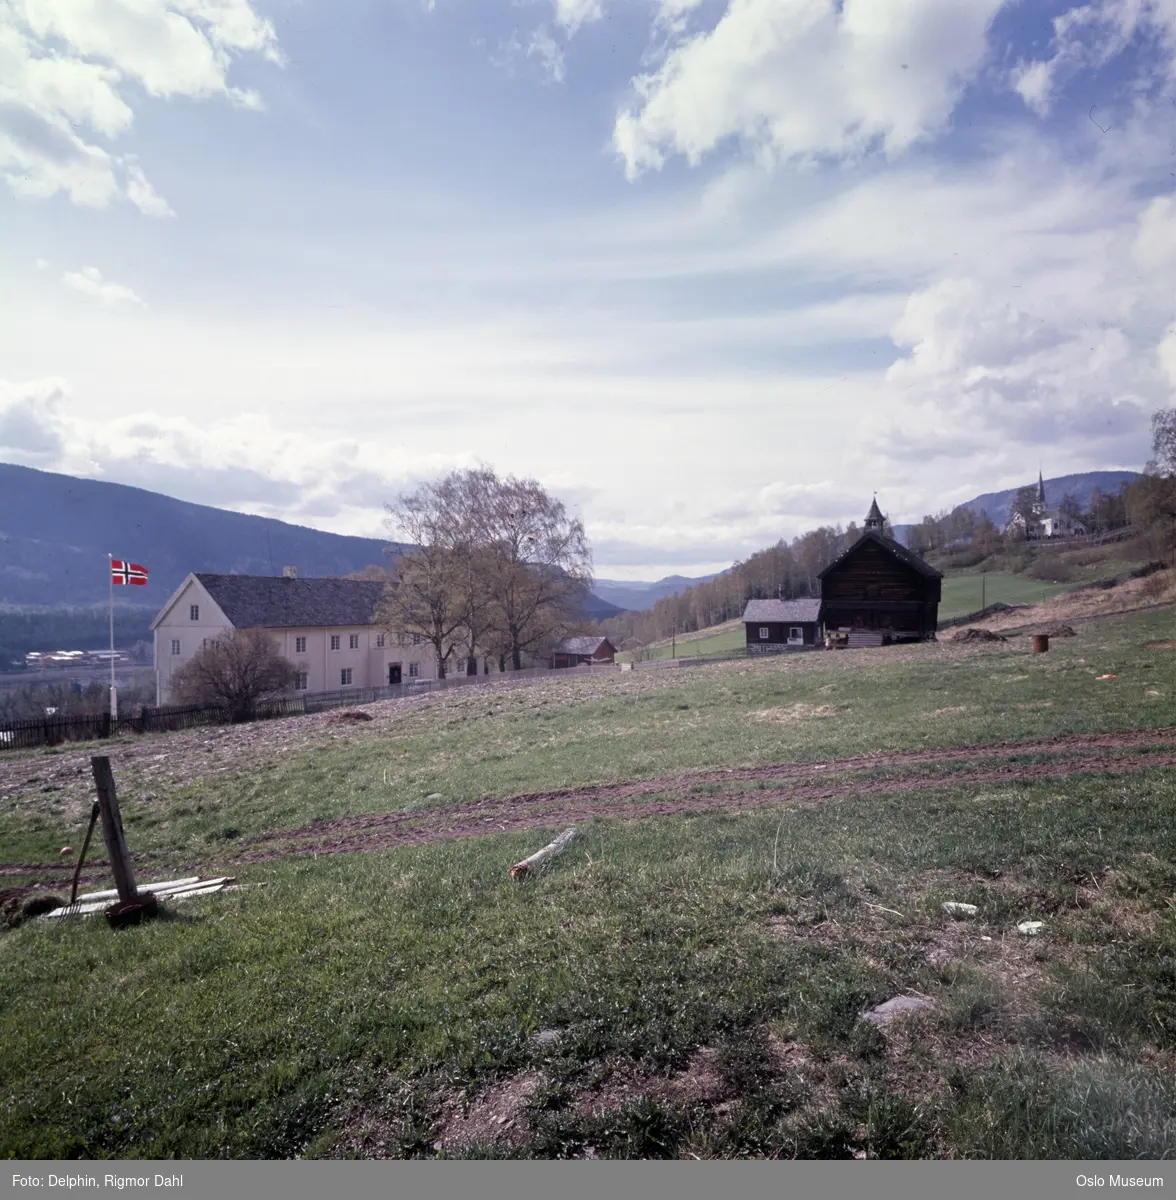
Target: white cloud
(64,70)
(672,15)
(142,195)
(806,79)
(1166,353)
(1034,83)
(42,263)
(573,15)
(546,49)
(1089,36)
(30,419)
(89,282)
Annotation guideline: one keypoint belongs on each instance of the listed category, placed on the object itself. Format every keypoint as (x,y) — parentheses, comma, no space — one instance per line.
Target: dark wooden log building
(775,626)
(879,591)
(578,651)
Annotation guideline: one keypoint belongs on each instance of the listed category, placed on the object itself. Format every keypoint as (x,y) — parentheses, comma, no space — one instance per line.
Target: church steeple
(874,518)
(1040,489)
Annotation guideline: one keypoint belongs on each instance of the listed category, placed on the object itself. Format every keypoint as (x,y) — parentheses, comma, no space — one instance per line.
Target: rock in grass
(65,852)
(954,908)
(433,796)
(898,1006)
(1030,928)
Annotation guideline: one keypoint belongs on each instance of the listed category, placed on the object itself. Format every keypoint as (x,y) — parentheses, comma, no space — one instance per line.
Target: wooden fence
(65,727)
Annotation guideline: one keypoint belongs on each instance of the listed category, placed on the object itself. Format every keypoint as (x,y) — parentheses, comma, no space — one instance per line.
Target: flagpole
(113,690)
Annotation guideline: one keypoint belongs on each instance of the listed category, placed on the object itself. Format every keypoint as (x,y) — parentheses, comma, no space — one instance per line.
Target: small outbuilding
(776,626)
(578,651)
(878,591)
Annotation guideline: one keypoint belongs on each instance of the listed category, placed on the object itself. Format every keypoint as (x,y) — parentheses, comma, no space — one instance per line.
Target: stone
(65,851)
(1030,928)
(433,796)
(955,908)
(546,1037)
(898,1006)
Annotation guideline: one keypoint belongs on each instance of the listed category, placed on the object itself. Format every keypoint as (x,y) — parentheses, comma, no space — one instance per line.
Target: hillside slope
(999,505)
(56,531)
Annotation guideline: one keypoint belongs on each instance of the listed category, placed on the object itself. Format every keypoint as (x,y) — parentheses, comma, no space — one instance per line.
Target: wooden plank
(112,830)
(112,894)
(561,843)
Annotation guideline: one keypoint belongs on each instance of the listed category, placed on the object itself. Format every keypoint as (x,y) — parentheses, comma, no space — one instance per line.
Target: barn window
(175,645)
(764,633)
(194,612)
(796,634)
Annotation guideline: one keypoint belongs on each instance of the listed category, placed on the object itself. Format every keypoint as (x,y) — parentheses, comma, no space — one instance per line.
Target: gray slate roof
(580,645)
(799,611)
(899,551)
(252,601)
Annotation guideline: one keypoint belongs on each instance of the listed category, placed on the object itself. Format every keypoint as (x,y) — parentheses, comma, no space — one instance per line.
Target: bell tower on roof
(874,518)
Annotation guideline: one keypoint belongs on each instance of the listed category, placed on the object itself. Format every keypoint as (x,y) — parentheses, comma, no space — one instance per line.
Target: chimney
(289,572)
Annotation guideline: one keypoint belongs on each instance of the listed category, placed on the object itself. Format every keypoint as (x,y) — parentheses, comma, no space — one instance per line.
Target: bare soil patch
(496,1116)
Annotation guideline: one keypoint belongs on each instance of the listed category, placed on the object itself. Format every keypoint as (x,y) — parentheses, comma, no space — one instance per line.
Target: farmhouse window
(414,670)
(300,645)
(194,612)
(345,677)
(335,641)
(353,642)
(379,641)
(300,681)
(764,633)
(795,634)
(175,645)
(416,639)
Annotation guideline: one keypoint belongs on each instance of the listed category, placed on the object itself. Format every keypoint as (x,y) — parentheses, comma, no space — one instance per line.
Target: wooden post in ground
(112,830)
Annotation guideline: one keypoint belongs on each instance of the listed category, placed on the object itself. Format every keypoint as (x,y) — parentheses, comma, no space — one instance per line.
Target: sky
(712,272)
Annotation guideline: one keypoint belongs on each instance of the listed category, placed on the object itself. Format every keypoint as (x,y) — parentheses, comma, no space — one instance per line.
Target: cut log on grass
(561,843)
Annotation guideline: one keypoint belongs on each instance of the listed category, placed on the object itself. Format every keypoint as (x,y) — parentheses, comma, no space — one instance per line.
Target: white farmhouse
(325,627)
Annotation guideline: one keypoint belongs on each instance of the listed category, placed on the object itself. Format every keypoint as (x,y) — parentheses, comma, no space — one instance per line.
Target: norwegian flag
(125,572)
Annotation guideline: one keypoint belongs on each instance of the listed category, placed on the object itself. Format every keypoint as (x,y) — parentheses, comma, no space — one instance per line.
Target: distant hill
(638,595)
(999,505)
(56,531)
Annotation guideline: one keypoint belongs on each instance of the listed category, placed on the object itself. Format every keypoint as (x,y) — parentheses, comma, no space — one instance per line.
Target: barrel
(1040,643)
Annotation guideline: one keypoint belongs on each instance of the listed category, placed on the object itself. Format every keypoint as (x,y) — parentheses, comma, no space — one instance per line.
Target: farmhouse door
(393,674)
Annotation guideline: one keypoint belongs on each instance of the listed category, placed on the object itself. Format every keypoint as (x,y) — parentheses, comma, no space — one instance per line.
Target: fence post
(112,830)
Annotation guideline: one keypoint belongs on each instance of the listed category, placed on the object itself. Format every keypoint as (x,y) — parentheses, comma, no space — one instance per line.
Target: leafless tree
(425,598)
(234,672)
(541,569)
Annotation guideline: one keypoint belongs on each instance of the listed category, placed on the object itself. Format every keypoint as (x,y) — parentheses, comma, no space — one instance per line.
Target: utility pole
(674,640)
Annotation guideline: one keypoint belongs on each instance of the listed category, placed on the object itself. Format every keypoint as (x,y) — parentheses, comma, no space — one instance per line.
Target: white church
(1045,522)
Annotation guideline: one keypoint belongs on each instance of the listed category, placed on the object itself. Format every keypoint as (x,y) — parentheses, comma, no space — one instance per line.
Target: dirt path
(810,783)
(804,783)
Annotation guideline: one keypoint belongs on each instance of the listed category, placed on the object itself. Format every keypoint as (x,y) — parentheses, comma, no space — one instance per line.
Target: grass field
(967,593)
(765,848)
(728,638)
